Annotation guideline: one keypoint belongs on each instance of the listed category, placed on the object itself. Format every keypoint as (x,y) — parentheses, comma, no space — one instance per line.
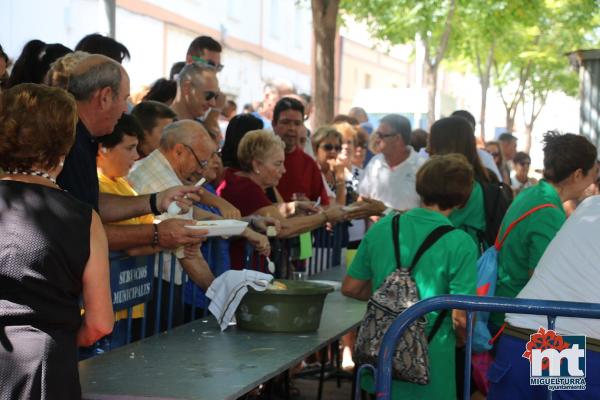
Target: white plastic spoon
(270,266)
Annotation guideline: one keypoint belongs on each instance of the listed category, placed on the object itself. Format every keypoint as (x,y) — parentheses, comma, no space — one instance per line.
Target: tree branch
(443,45)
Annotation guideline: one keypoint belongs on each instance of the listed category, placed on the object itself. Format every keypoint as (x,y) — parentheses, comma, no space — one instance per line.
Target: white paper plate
(223,227)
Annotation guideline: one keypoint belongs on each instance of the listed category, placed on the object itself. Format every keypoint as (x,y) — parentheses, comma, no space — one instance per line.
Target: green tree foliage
(401,21)
(533,60)
(522,43)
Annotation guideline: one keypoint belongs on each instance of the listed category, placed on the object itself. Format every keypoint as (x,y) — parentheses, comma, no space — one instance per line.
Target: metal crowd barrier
(327,249)
(471,304)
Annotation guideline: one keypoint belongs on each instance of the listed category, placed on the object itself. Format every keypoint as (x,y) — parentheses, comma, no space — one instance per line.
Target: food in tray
(276,285)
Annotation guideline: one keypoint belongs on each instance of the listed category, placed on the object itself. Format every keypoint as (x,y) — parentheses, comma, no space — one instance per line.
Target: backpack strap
(396,238)
(500,242)
(433,237)
(437,324)
(429,241)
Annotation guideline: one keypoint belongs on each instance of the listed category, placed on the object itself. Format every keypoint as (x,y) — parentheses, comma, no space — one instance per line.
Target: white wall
(58,21)
(143,37)
(155,45)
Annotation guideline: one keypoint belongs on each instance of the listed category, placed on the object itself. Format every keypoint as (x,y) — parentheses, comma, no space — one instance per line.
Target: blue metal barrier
(471,304)
(323,255)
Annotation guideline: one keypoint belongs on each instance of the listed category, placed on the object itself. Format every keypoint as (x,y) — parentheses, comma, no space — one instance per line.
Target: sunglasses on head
(202,61)
(329,147)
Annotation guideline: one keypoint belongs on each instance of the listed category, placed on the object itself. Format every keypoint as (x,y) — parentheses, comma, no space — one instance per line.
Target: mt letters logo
(556,361)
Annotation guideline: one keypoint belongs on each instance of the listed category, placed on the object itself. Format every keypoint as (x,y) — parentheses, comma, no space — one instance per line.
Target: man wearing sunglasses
(197,89)
(206,51)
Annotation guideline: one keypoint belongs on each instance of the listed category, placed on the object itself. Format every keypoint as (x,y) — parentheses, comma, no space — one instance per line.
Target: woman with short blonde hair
(261,159)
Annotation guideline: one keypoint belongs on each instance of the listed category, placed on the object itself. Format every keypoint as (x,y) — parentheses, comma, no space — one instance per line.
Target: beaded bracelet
(155,236)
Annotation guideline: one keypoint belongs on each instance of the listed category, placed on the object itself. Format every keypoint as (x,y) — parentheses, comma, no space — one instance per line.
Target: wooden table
(198,361)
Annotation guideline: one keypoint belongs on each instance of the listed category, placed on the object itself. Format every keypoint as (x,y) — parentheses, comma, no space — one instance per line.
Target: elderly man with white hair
(184,153)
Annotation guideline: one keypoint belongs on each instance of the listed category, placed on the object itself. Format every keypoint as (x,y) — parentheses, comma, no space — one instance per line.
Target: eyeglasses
(330,147)
(202,61)
(209,95)
(384,135)
(201,163)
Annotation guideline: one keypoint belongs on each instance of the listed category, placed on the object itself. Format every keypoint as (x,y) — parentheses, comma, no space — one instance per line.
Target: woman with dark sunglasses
(327,144)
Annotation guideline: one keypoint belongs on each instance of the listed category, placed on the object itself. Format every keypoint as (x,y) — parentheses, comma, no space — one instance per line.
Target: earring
(257,172)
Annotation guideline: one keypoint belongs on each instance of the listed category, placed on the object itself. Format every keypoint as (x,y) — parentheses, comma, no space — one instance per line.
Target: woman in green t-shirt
(569,168)
(443,183)
(456,135)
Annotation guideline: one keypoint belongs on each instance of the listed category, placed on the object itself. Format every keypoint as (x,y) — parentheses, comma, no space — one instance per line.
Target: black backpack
(497,197)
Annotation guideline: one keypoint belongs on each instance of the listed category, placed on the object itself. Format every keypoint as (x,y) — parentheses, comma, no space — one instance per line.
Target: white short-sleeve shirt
(155,174)
(395,187)
(569,270)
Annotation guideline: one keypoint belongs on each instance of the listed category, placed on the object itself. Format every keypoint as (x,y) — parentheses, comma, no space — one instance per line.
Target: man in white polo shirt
(390,176)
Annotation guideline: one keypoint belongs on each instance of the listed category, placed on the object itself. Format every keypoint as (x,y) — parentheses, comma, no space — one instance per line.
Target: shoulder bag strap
(499,243)
(396,238)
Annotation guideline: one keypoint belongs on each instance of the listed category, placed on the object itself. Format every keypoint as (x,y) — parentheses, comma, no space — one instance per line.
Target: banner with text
(130,281)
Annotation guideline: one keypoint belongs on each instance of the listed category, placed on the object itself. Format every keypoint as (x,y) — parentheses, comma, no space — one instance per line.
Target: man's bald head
(187,132)
(95,72)
(188,148)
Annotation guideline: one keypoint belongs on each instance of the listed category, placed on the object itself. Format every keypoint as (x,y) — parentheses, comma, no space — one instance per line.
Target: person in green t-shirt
(456,135)
(449,266)
(569,168)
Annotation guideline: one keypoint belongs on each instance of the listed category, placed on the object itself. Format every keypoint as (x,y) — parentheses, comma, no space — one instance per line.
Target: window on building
(367,84)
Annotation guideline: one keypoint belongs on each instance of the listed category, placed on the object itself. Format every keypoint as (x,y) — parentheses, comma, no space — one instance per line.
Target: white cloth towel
(227,291)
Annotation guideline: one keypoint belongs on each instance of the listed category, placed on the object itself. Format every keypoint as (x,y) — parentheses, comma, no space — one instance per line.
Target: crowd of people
(86,170)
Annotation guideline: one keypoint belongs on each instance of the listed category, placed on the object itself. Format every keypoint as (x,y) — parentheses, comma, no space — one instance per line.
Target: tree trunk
(528,131)
(538,101)
(510,120)
(432,61)
(484,80)
(324,14)
(431,82)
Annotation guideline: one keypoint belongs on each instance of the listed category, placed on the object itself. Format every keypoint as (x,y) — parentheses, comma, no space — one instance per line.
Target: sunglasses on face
(495,154)
(202,61)
(209,95)
(330,147)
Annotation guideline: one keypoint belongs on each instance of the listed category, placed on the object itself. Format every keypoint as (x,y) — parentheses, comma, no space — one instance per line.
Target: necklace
(41,174)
